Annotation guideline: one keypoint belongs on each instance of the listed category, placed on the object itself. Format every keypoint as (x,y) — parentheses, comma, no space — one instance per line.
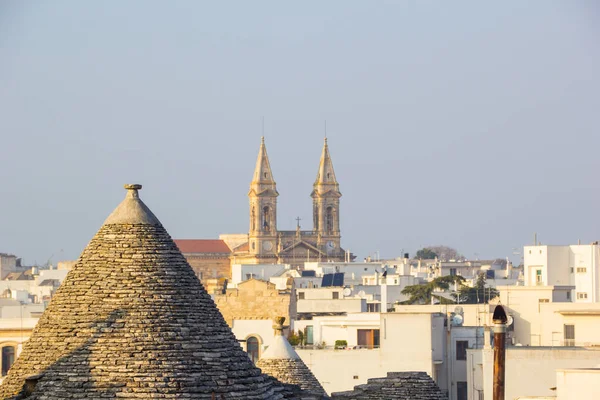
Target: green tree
(478,294)
(421,294)
(426,254)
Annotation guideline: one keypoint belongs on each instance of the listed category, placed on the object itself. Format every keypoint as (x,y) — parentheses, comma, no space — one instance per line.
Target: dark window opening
(8,358)
(461,349)
(461,391)
(368,338)
(569,335)
(252,348)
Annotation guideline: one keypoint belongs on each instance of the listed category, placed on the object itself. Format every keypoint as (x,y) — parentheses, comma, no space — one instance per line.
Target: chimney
(500,320)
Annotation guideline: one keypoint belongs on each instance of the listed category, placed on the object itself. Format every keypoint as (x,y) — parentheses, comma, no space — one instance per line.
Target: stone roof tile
(131,321)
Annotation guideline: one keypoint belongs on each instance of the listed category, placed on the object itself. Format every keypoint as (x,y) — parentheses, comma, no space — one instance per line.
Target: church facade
(265,244)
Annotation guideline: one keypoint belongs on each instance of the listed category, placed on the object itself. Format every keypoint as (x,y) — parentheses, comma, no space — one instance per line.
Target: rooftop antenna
(263,126)
(535,242)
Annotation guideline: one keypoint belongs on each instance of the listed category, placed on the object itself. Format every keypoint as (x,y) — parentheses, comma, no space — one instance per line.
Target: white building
(377,344)
(244,272)
(36,290)
(353,271)
(530,371)
(573,265)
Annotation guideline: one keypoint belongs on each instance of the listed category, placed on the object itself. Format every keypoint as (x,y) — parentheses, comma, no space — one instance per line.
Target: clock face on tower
(330,245)
(267,246)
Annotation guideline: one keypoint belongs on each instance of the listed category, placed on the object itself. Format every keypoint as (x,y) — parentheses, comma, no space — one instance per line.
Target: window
(335,295)
(300,295)
(252,348)
(581,295)
(569,295)
(329,219)
(461,349)
(373,307)
(569,335)
(452,271)
(581,270)
(538,277)
(368,338)
(308,334)
(8,358)
(461,391)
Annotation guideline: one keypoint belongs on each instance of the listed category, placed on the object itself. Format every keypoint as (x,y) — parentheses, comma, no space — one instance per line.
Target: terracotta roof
(202,246)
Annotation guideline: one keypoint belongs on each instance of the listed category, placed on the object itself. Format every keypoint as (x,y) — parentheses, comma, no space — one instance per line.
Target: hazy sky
(459,123)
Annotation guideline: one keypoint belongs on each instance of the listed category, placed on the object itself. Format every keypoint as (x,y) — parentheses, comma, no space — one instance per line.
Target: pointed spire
(263,176)
(326,176)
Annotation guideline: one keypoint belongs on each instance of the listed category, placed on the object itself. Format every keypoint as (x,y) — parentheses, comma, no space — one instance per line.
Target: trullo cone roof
(281,361)
(132,321)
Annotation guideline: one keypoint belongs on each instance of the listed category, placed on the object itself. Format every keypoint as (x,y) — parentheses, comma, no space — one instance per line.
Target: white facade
(244,272)
(327,330)
(407,342)
(530,371)
(573,265)
(353,271)
(542,317)
(577,384)
(38,289)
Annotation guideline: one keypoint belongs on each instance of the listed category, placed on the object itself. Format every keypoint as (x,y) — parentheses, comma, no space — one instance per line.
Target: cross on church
(298,219)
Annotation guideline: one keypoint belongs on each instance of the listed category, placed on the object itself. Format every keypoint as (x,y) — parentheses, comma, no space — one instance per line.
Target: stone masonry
(396,386)
(132,321)
(256,299)
(281,361)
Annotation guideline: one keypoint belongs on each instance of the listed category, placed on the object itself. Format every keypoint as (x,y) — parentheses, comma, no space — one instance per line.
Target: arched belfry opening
(266,218)
(329,219)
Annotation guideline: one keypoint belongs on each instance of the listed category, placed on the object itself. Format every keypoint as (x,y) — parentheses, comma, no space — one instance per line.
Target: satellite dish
(510,320)
(457,320)
(361,293)
(458,310)
(347,292)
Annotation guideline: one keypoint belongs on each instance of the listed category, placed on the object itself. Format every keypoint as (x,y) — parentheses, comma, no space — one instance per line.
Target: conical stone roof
(132,321)
(396,386)
(281,361)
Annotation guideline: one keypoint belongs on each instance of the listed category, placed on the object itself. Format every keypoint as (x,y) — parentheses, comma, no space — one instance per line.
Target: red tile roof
(202,246)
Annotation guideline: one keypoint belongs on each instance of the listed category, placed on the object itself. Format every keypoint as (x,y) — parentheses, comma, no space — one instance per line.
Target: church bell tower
(263,208)
(326,205)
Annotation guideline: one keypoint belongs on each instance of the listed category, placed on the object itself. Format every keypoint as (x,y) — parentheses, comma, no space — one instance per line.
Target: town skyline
(476,141)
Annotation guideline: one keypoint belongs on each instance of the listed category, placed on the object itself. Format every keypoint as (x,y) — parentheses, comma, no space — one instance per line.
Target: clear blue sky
(467,124)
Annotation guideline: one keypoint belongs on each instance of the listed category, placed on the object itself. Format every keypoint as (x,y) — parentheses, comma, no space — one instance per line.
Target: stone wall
(256,299)
(210,266)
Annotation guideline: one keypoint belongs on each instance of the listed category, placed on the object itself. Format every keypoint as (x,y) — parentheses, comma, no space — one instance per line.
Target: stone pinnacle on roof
(326,180)
(326,174)
(132,321)
(263,176)
(281,361)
